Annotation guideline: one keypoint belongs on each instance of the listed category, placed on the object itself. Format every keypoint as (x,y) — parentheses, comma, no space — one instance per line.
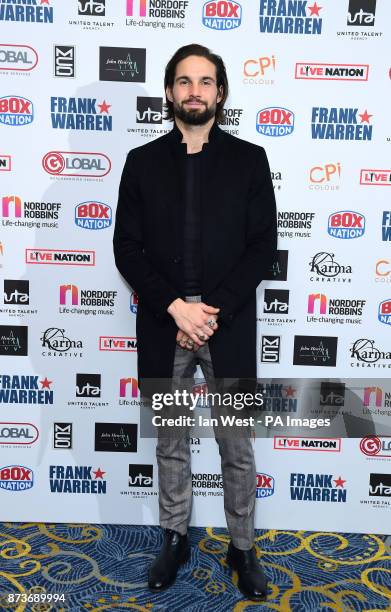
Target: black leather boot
(252,581)
(174,551)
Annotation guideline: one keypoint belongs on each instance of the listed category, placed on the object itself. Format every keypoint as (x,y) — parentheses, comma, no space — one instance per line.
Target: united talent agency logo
(65,61)
(56,343)
(276,307)
(317,488)
(18,58)
(30,11)
(88,385)
(265,485)
(376,446)
(35,214)
(80,114)
(275,121)
(361,13)
(326,269)
(60,258)
(346,224)
(315,351)
(5,163)
(325,177)
(149,110)
(84,165)
(122,64)
(383,271)
(16,292)
(256,71)
(14,340)
(18,434)
(16,111)
(331,72)
(278,270)
(375,177)
(340,124)
(221,14)
(380,485)
(92,8)
(384,312)
(290,17)
(140,475)
(365,354)
(386,226)
(78,479)
(331,445)
(25,390)
(294,224)
(93,215)
(16,477)
(332,394)
(342,311)
(270,349)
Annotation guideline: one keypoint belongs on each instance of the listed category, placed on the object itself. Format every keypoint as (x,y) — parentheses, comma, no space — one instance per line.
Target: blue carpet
(103,567)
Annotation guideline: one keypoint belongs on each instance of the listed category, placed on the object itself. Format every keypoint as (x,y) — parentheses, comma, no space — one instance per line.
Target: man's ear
(169,94)
(220,93)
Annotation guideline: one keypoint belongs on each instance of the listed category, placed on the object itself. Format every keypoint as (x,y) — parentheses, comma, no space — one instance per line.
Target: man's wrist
(172,308)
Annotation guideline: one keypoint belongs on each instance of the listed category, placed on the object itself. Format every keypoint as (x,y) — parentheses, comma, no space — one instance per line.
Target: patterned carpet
(103,567)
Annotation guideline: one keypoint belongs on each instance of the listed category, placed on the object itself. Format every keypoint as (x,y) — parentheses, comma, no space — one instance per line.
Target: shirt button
(177,260)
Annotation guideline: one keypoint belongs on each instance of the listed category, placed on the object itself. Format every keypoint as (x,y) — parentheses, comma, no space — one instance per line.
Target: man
(195,234)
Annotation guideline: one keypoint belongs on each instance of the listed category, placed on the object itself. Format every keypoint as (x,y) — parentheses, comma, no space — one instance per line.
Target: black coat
(238,234)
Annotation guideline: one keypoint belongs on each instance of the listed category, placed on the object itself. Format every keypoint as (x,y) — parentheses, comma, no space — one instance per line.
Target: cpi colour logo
(275,121)
(15,110)
(221,15)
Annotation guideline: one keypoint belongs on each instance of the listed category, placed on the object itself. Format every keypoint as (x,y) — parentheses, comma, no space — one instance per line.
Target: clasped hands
(196,322)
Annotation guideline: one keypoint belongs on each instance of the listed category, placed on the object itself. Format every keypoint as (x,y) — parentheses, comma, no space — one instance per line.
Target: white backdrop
(81,84)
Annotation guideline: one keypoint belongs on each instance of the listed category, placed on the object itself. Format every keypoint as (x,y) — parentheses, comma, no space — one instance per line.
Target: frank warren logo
(25,389)
(91,8)
(16,478)
(340,124)
(122,64)
(18,434)
(386,225)
(331,445)
(222,15)
(67,163)
(275,121)
(31,11)
(16,111)
(317,488)
(361,13)
(93,215)
(331,72)
(64,61)
(77,479)
(277,398)
(60,258)
(18,58)
(346,224)
(315,351)
(149,110)
(290,17)
(80,114)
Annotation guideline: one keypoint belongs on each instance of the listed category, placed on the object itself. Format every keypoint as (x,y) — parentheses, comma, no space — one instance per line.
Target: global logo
(18,57)
(384,312)
(346,224)
(93,215)
(222,15)
(375,446)
(15,111)
(275,121)
(68,163)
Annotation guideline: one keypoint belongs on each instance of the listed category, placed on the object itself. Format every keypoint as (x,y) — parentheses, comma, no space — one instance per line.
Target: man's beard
(195,116)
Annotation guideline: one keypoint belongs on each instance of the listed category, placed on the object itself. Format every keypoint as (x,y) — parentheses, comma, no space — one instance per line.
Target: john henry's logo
(64,163)
(122,64)
(88,297)
(88,385)
(55,340)
(265,485)
(386,225)
(140,475)
(331,72)
(289,17)
(380,485)
(64,61)
(92,7)
(16,477)
(222,15)
(275,121)
(29,210)
(14,340)
(315,351)
(93,215)
(384,312)
(116,437)
(279,268)
(15,110)
(334,306)
(118,343)
(5,163)
(149,110)
(324,264)
(62,435)
(332,445)
(346,224)
(376,446)
(25,390)
(60,258)
(332,394)
(18,57)
(16,292)
(276,301)
(365,351)
(340,124)
(80,114)
(361,13)
(375,177)
(128,387)
(18,433)
(26,10)
(317,488)
(270,349)
(76,479)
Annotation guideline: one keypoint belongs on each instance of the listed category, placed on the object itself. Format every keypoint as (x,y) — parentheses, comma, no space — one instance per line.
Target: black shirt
(192,229)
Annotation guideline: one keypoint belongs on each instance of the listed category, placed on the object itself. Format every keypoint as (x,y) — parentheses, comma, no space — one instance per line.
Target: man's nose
(195,90)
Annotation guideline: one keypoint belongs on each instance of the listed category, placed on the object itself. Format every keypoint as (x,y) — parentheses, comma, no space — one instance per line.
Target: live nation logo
(315,351)
(332,445)
(375,177)
(80,165)
(118,343)
(17,59)
(5,163)
(331,72)
(123,64)
(60,258)
(64,61)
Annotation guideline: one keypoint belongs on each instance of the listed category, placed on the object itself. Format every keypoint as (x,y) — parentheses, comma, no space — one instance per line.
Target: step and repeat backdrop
(81,85)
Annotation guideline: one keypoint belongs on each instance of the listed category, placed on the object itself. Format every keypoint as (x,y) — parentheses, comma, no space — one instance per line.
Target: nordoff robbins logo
(69,163)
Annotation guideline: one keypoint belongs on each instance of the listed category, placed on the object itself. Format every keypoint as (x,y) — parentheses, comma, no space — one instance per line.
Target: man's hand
(192,318)
(182,339)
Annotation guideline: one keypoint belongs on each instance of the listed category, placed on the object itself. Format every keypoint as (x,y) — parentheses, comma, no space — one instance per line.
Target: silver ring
(211,322)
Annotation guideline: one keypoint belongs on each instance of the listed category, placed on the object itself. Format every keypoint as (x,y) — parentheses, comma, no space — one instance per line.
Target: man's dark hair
(221,76)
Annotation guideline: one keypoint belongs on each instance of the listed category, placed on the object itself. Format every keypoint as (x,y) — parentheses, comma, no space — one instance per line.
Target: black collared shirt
(192,266)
